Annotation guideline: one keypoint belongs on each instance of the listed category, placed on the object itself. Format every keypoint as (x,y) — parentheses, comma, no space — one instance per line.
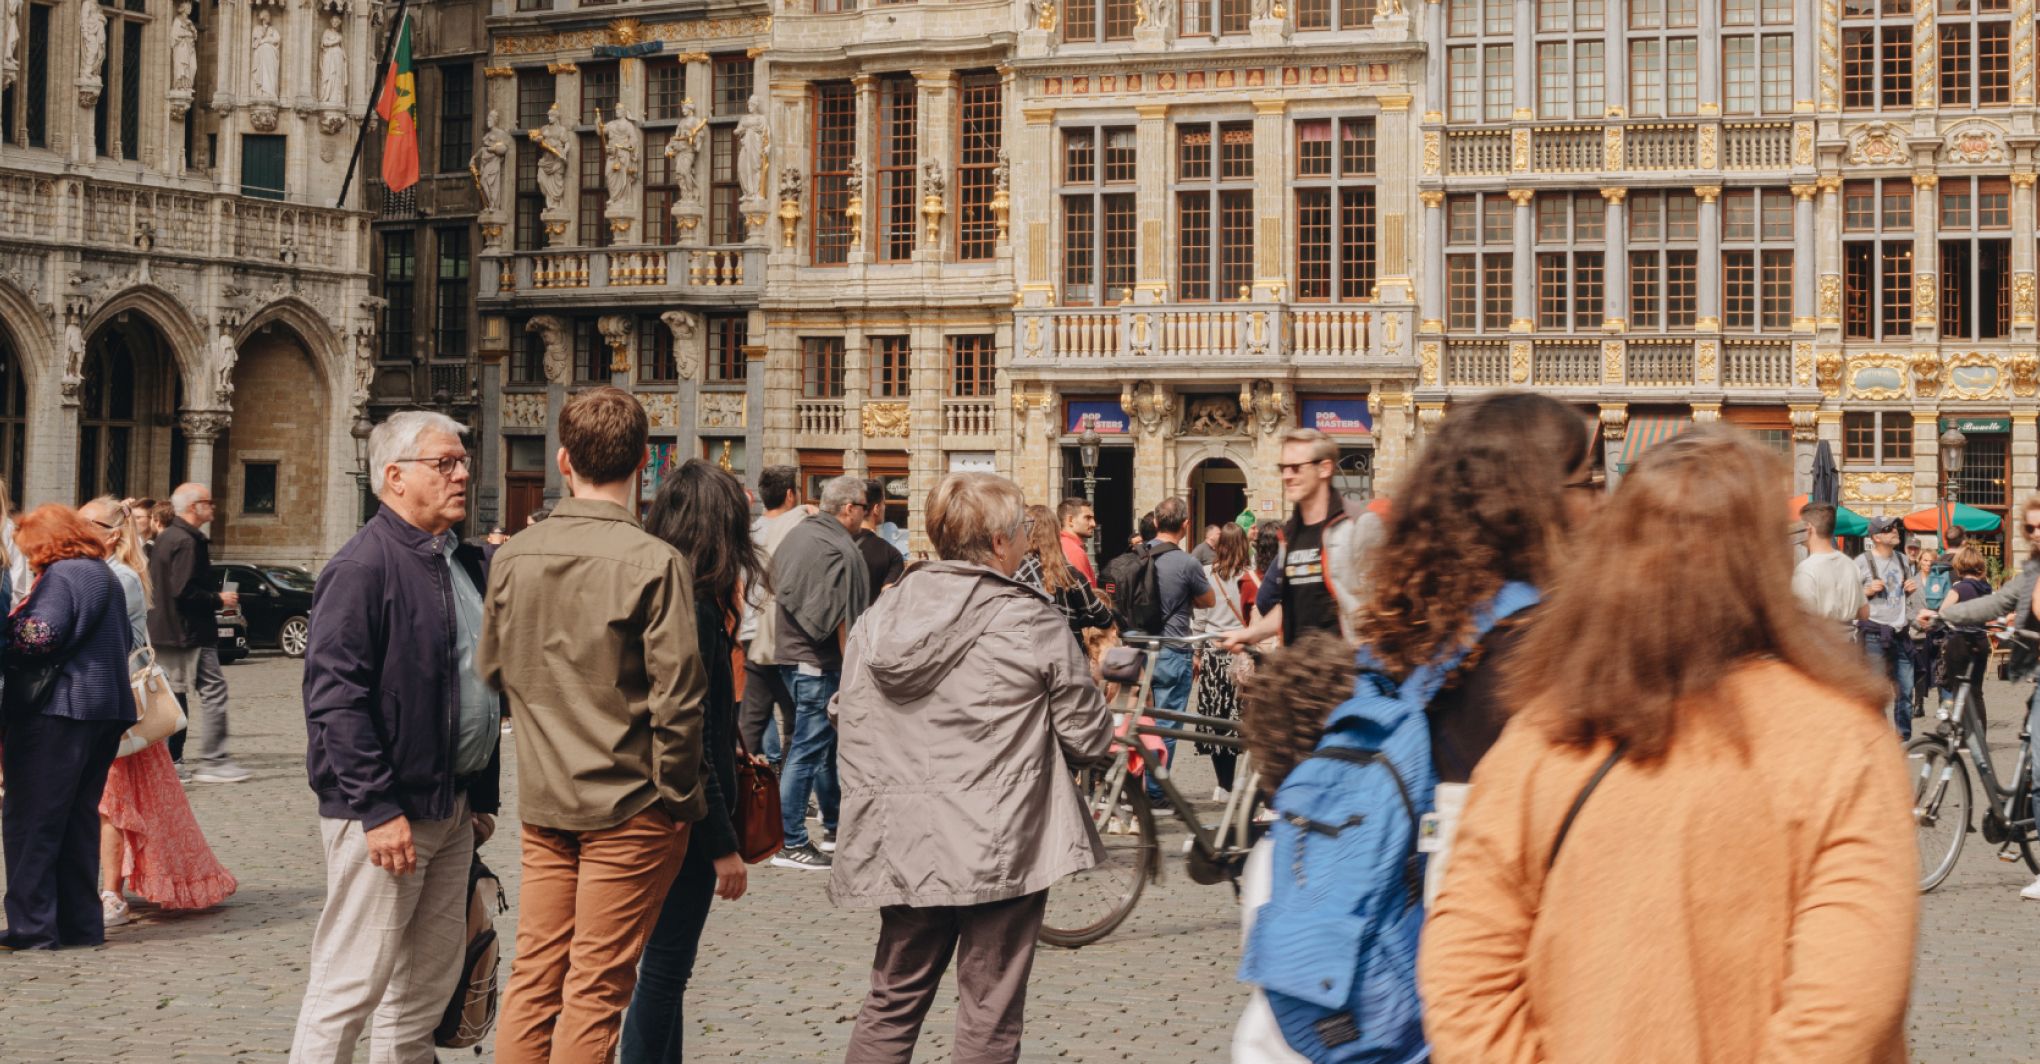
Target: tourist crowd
(1434,686)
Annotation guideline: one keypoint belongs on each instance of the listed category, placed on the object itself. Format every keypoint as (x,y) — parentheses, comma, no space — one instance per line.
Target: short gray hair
(187,495)
(398,437)
(840,492)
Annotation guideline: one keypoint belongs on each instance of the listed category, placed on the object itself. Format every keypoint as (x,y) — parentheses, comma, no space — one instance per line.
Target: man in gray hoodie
(823,586)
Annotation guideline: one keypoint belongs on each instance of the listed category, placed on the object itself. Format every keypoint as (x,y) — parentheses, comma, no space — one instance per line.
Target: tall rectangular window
(1229,18)
(728,334)
(1756,260)
(399,282)
(1098,217)
(534,95)
(1336,233)
(898,160)
(979,141)
(821,367)
(599,88)
(1664,260)
(262,165)
(1877,259)
(1976,258)
(1479,262)
(732,80)
(594,194)
(1101,20)
(450,295)
(665,89)
(657,362)
(833,154)
(1214,210)
(456,116)
(1571,261)
(1877,55)
(892,366)
(973,367)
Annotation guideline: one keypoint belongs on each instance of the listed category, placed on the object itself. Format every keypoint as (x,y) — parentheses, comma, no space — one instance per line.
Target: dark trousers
(765,695)
(56,770)
(654,1027)
(993,945)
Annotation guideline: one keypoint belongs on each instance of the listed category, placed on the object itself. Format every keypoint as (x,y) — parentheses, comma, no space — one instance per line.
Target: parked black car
(276,600)
(233,635)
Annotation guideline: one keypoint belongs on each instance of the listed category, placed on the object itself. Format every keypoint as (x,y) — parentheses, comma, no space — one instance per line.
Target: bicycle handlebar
(1141,639)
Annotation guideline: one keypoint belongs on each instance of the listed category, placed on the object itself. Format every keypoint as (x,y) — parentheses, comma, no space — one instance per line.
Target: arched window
(106,418)
(13,418)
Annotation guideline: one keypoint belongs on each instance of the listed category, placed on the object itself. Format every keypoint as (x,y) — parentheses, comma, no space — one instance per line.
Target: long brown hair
(1483,506)
(1045,540)
(1681,581)
(1230,557)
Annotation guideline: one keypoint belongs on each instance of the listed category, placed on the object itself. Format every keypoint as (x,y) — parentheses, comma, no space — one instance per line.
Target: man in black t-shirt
(1314,583)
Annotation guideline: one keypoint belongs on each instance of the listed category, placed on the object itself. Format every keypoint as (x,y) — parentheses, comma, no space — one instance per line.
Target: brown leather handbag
(754,809)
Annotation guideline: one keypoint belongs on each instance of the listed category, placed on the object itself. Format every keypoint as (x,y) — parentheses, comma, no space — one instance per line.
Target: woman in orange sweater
(1739,887)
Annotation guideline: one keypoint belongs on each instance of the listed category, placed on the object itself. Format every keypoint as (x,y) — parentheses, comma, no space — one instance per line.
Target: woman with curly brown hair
(1484,506)
(1738,883)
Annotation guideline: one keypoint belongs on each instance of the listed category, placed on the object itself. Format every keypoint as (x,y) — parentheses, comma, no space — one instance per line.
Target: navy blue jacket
(382,695)
(78,615)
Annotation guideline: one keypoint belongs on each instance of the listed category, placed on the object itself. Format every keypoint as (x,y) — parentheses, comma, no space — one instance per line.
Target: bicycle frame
(1973,742)
(1217,841)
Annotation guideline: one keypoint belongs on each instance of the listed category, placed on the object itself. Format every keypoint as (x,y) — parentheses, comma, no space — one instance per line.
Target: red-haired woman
(62,735)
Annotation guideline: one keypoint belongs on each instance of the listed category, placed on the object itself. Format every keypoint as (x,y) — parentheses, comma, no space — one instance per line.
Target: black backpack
(1143,607)
(471,1014)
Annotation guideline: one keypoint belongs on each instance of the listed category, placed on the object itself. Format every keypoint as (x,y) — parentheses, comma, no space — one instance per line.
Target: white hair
(187,495)
(842,491)
(398,437)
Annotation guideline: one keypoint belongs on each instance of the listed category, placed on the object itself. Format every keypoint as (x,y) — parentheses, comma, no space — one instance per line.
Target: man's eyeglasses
(113,527)
(1594,481)
(1298,467)
(445,464)
(2032,530)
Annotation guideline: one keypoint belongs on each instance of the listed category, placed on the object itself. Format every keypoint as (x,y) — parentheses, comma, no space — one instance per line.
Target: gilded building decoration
(1876,144)
(1427,359)
(1211,415)
(1878,377)
(1705,362)
(1926,374)
(1830,66)
(1805,424)
(1611,149)
(1831,298)
(1802,144)
(670,32)
(1828,371)
(1519,150)
(1519,361)
(1875,488)
(2022,52)
(1432,152)
(524,410)
(1923,57)
(662,409)
(1802,363)
(2025,372)
(1710,146)
(887,420)
(721,410)
(1925,290)
(1974,375)
(1611,361)
(2022,298)
(1974,143)
(1614,421)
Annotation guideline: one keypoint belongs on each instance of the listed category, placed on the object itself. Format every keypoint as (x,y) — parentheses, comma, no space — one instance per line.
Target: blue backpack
(1940,578)
(1335,947)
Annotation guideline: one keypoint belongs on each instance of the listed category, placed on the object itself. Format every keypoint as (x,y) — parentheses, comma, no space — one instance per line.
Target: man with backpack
(1164,588)
(1888,577)
(1315,581)
(1938,568)
(1115,577)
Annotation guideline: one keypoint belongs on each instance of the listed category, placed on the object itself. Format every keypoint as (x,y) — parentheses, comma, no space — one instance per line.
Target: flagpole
(374,98)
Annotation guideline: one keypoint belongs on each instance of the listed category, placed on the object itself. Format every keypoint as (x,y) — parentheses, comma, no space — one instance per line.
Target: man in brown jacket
(590,632)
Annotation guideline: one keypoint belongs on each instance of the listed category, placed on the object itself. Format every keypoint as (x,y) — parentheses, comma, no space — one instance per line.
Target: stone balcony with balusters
(1671,365)
(732,275)
(1248,336)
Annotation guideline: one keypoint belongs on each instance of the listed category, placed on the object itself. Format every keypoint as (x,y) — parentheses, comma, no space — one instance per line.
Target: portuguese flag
(398,107)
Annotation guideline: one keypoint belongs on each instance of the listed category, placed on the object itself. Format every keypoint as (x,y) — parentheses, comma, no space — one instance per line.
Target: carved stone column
(1523,300)
(1615,290)
(202,429)
(1708,310)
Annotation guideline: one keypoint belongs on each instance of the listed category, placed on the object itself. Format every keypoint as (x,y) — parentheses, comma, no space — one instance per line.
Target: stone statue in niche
(91,50)
(684,149)
(332,65)
(933,183)
(183,50)
(556,139)
(624,145)
(754,141)
(686,329)
(1211,416)
(266,58)
(74,357)
(10,17)
(223,370)
(486,165)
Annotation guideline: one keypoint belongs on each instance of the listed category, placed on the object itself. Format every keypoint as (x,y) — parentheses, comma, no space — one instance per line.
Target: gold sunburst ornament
(625,32)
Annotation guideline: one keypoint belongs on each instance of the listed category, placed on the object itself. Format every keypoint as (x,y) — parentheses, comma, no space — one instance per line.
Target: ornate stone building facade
(1811,218)
(624,167)
(179,298)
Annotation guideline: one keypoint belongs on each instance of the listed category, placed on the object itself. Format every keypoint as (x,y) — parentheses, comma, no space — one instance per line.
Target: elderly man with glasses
(402,752)
(183,626)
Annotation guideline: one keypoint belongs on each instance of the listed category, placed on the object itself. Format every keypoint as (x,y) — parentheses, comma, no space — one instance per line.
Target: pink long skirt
(166,860)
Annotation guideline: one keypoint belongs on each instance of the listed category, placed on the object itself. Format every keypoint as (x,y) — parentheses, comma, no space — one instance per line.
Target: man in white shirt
(1826,581)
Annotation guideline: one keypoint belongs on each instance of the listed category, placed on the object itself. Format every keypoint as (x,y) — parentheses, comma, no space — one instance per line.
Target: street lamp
(1952,444)
(360,431)
(1087,453)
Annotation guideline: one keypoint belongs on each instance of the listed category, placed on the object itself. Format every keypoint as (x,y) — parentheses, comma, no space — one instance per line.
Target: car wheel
(294,635)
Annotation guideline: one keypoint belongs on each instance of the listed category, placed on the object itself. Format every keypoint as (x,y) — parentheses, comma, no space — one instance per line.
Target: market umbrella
(1847,522)
(1965,517)
(1827,481)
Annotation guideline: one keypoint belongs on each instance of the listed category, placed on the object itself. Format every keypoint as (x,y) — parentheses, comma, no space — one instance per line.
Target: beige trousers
(388,948)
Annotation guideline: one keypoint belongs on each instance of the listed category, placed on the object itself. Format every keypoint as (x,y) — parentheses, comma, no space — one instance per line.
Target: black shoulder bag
(1565,826)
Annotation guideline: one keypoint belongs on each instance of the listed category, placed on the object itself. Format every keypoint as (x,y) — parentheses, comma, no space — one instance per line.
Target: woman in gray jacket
(965,705)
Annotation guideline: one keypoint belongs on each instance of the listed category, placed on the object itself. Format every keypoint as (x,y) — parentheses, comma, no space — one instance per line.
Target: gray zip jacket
(2015,597)
(965,703)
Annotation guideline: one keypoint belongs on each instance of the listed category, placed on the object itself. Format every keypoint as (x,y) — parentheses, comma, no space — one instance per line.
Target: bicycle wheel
(1940,806)
(1085,907)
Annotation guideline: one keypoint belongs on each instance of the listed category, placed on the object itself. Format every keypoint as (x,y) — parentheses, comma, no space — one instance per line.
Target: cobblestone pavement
(781,972)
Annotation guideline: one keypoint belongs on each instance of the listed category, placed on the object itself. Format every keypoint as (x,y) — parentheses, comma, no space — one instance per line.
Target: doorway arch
(1217,490)
(127,398)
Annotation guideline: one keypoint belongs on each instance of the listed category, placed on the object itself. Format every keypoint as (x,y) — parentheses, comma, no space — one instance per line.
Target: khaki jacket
(964,703)
(589,629)
(1751,899)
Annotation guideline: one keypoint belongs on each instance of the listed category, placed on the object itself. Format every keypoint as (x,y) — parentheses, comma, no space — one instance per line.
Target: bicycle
(1085,907)
(1941,787)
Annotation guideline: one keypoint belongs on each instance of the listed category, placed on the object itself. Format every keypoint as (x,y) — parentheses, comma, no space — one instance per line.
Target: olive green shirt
(589,630)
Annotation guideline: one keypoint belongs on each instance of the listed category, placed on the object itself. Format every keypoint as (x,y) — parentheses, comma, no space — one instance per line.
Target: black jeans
(766,696)
(654,1026)
(56,771)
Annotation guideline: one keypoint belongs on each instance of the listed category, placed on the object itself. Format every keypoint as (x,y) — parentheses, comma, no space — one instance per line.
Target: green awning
(1644,433)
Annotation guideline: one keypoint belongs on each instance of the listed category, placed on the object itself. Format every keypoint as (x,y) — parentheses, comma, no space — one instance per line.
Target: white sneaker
(2032,891)
(1220,795)
(114,907)
(221,772)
